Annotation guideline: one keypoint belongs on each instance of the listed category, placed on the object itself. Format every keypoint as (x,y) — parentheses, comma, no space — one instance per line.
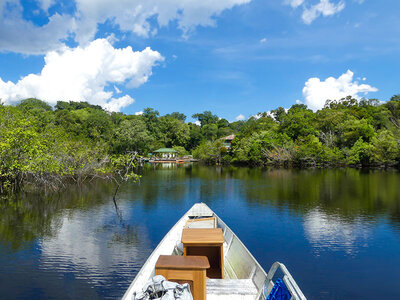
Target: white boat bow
(244,277)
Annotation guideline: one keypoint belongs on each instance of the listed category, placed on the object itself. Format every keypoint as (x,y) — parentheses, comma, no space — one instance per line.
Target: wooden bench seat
(182,262)
(185,269)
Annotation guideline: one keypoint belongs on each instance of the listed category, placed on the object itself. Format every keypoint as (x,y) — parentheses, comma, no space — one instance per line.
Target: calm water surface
(338,231)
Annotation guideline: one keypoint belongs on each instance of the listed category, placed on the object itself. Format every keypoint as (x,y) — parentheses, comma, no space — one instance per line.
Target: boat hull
(244,277)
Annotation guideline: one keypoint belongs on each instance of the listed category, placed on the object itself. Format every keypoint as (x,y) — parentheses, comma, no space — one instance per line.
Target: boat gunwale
(260,290)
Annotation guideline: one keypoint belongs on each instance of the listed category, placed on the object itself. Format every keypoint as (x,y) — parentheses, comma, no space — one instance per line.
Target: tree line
(42,146)
(344,132)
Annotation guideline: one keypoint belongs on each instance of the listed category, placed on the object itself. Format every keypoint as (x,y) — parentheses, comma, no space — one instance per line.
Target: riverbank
(302,165)
(45,146)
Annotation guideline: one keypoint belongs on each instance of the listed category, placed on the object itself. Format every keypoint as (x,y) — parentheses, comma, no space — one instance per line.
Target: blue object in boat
(279,291)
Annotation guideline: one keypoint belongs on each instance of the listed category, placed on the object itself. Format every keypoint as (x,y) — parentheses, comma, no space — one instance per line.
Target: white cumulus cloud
(115,104)
(45,4)
(20,35)
(85,74)
(324,8)
(316,92)
(134,15)
(294,3)
(240,117)
(142,17)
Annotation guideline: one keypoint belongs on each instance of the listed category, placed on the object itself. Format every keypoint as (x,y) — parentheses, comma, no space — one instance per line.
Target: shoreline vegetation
(46,147)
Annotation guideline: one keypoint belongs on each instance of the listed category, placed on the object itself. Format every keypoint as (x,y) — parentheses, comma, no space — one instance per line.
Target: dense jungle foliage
(43,146)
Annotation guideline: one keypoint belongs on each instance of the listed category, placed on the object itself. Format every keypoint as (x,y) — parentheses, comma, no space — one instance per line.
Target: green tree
(279,114)
(222,123)
(73,105)
(195,136)
(299,122)
(34,104)
(354,129)
(394,107)
(211,152)
(206,118)
(27,151)
(151,118)
(177,115)
(311,152)
(181,151)
(361,153)
(345,103)
(210,131)
(120,169)
(173,132)
(132,135)
(279,148)
(237,126)
(265,123)
(386,147)
(249,149)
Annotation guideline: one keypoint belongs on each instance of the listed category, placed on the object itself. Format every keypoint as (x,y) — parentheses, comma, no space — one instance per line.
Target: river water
(337,231)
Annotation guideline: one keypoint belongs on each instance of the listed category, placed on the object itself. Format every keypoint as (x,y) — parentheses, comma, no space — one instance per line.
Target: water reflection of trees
(178,183)
(28,216)
(158,182)
(348,192)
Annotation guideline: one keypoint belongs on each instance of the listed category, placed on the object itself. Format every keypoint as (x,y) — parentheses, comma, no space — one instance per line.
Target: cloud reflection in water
(331,232)
(96,249)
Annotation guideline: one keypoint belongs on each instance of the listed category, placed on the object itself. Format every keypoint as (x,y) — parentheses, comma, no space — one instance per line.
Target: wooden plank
(221,265)
(182,262)
(209,236)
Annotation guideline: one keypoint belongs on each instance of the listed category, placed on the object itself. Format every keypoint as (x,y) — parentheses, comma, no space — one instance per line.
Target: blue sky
(233,57)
